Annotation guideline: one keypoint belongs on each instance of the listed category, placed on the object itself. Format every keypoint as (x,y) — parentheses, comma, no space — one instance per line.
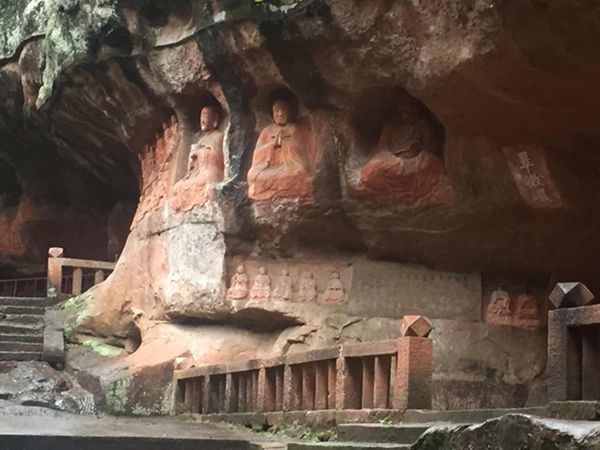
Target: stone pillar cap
(56,252)
(416,326)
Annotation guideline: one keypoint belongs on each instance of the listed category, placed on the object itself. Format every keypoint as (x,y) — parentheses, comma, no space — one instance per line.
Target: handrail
(393,374)
(56,262)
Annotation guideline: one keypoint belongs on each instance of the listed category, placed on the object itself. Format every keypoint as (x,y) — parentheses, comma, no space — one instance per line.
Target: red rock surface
(489,181)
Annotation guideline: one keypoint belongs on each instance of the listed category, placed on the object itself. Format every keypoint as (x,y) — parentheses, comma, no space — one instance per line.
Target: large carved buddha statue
(205,164)
(283,158)
(404,169)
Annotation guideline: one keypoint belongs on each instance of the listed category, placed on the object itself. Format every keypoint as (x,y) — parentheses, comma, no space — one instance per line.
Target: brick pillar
(348,383)
(242,395)
(54,280)
(564,359)
(590,362)
(231,393)
(308,386)
(279,388)
(187,387)
(321,384)
(368,383)
(77,281)
(263,395)
(251,391)
(206,395)
(331,383)
(381,389)
(292,396)
(414,373)
(197,385)
(98,277)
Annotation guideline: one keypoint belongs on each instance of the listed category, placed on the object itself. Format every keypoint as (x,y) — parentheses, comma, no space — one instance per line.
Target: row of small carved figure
(284,288)
(500,302)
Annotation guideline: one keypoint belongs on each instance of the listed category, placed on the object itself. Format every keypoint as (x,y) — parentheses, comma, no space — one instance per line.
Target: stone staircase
(375,436)
(22,328)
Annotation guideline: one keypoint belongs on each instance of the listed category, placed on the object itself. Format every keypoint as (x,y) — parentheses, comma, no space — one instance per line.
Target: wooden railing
(86,273)
(393,374)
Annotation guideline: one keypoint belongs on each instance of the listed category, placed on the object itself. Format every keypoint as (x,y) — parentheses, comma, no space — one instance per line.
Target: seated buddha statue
(206,165)
(283,158)
(404,168)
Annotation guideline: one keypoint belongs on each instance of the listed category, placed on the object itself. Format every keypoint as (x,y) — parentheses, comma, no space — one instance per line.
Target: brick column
(308,386)
(414,373)
(321,384)
(381,389)
(54,280)
(279,388)
(331,383)
(231,393)
(242,395)
(98,277)
(263,395)
(368,382)
(348,383)
(77,281)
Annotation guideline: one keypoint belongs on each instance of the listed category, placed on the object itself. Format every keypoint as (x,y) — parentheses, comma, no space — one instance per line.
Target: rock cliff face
(457,135)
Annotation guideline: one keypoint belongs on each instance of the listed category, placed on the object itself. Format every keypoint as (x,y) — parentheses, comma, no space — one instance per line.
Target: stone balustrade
(55,279)
(392,374)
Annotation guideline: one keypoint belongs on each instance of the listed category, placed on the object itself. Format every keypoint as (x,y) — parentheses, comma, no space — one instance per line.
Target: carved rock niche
(397,154)
(321,282)
(200,160)
(285,155)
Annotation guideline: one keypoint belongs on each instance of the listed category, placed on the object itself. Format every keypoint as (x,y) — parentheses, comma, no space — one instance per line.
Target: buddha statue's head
(240,269)
(283,112)
(262,271)
(209,118)
(500,296)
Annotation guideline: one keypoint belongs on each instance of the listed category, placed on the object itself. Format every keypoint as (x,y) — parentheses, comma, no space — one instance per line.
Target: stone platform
(36,428)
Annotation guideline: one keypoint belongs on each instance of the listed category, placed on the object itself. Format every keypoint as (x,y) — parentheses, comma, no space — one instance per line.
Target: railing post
(98,277)
(414,373)
(77,281)
(54,281)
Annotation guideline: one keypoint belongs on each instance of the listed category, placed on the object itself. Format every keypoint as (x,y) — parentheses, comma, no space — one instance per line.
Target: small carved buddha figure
(284,287)
(283,158)
(239,285)
(334,294)
(499,303)
(404,168)
(206,165)
(308,288)
(261,289)
(527,307)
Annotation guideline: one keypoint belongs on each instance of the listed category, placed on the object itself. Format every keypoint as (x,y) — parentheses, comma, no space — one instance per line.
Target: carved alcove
(396,152)
(189,108)
(285,155)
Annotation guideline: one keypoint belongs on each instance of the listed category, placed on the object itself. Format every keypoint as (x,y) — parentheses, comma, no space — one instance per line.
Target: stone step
(8,328)
(467,416)
(22,319)
(20,356)
(25,310)
(29,338)
(13,346)
(346,445)
(374,432)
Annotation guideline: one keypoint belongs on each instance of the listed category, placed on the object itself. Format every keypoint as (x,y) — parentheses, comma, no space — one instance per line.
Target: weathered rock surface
(38,384)
(478,117)
(511,432)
